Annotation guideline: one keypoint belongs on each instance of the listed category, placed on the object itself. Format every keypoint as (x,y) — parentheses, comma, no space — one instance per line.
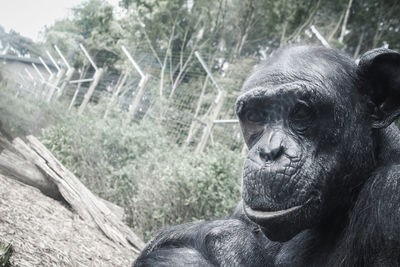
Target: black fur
(321,183)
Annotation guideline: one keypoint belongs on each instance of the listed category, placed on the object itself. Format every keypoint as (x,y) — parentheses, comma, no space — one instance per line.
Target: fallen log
(33,164)
(14,165)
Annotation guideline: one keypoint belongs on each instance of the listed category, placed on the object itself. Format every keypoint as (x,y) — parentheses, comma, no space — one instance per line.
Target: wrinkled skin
(302,139)
(321,179)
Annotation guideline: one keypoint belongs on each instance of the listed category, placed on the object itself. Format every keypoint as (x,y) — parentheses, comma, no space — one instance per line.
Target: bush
(25,114)
(137,167)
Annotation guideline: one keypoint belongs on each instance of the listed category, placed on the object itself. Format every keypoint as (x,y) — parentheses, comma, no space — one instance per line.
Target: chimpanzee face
(307,130)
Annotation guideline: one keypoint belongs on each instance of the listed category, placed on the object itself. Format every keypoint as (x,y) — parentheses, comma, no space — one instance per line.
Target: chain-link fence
(188,109)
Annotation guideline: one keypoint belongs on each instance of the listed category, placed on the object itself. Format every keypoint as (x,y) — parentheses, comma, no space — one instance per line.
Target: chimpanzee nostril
(272,148)
(270,154)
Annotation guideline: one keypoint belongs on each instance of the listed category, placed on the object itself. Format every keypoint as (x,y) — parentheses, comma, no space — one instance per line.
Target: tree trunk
(299,30)
(283,41)
(164,65)
(358,48)
(183,68)
(344,25)
(335,29)
(243,38)
(150,44)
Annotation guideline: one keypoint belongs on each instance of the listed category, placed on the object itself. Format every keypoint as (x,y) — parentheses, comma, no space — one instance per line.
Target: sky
(29,17)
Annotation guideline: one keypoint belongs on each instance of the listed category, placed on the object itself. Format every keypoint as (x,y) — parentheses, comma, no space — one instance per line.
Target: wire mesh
(184,113)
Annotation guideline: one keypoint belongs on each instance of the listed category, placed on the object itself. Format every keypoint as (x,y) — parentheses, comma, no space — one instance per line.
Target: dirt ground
(44,232)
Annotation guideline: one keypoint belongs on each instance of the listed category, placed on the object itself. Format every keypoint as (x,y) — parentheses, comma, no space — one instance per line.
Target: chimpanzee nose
(273,149)
(271,154)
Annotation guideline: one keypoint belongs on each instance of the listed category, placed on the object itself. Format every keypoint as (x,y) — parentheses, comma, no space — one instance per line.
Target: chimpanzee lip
(260,216)
(266,215)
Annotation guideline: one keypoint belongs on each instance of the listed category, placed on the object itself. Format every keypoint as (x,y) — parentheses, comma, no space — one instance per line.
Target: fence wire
(184,113)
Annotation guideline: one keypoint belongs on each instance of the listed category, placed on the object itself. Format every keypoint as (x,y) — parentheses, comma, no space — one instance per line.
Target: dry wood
(192,129)
(138,96)
(4,143)
(82,200)
(78,87)
(67,78)
(33,164)
(92,87)
(14,165)
(210,123)
(116,91)
(57,81)
(117,210)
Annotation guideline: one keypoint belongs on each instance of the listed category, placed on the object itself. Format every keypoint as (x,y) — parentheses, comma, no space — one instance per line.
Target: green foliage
(137,167)
(17,44)
(93,25)
(101,32)
(66,36)
(5,255)
(189,187)
(236,74)
(167,32)
(93,14)
(378,21)
(143,167)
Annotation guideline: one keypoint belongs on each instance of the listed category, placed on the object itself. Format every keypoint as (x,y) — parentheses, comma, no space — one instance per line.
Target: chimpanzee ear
(380,70)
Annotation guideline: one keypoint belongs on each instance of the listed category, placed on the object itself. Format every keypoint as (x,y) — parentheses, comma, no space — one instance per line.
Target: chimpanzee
(321,182)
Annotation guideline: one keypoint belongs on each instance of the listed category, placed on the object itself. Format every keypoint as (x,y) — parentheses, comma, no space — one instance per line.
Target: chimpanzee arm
(373,233)
(229,242)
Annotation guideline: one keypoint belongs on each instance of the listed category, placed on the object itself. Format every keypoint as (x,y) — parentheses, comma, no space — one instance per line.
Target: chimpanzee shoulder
(373,232)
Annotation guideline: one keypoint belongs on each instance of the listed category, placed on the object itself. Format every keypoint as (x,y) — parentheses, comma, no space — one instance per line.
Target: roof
(25,60)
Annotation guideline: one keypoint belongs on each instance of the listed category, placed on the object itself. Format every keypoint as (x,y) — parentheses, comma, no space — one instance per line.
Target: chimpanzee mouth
(265,215)
(261,215)
(282,225)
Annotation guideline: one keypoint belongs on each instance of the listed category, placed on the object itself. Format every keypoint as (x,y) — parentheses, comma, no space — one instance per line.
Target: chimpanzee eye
(255,115)
(301,112)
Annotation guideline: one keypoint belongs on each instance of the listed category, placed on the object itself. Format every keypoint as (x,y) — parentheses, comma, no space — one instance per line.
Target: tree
(66,35)
(373,24)
(101,32)
(15,44)
(173,31)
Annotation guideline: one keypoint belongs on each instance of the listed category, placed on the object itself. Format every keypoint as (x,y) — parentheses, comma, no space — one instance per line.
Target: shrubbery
(26,114)
(138,167)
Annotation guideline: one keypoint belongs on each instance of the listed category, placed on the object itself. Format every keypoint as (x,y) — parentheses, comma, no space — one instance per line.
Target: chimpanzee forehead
(313,66)
(284,93)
